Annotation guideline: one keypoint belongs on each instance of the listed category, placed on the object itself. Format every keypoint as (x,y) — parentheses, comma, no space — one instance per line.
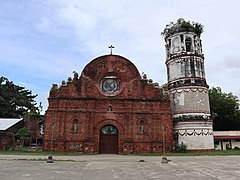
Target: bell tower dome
(187,85)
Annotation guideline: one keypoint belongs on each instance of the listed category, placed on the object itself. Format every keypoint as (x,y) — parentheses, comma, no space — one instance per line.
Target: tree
(23,135)
(224,110)
(15,101)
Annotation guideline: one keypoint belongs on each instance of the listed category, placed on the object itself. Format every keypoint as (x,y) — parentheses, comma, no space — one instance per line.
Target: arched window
(142,129)
(75,126)
(188,44)
(141,126)
(109,108)
(109,129)
(181,36)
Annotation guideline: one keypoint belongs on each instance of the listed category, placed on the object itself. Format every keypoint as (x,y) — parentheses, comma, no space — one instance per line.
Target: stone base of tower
(197,135)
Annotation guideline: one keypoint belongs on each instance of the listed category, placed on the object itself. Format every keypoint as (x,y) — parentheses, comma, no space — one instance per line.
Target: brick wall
(136,108)
(7,140)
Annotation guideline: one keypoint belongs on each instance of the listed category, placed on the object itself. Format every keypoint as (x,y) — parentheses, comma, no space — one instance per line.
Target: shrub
(181,148)
(23,133)
(236,148)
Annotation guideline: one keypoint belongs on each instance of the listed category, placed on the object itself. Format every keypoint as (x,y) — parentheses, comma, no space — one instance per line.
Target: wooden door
(108,140)
(109,144)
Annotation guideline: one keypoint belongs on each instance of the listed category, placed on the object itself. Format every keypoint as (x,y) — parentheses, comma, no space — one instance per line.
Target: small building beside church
(8,129)
(109,109)
(225,140)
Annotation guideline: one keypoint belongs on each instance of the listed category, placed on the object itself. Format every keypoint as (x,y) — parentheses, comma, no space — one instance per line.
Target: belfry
(187,85)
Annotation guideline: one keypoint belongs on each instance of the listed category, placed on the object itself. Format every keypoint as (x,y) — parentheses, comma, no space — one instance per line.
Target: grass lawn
(44,153)
(41,153)
(210,153)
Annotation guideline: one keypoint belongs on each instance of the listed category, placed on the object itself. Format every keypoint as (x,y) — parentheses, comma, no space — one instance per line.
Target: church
(112,109)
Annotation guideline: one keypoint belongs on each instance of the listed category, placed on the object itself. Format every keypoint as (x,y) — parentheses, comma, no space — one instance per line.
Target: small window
(75,126)
(109,108)
(142,126)
(188,43)
(181,36)
(142,129)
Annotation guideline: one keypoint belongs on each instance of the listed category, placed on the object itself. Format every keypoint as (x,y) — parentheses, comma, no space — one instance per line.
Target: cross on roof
(111,47)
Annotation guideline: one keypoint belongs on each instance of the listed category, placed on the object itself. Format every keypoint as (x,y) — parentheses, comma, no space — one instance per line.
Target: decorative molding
(189,89)
(184,57)
(194,132)
(191,116)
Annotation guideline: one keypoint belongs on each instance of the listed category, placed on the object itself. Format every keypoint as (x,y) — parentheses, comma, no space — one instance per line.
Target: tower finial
(111,47)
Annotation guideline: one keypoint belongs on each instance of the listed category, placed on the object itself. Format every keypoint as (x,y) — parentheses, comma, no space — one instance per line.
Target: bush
(23,136)
(236,148)
(181,148)
(23,133)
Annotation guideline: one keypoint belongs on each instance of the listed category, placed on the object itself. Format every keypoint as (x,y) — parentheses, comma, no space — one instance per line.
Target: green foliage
(182,25)
(224,110)
(181,148)
(198,28)
(75,75)
(23,133)
(15,101)
(186,25)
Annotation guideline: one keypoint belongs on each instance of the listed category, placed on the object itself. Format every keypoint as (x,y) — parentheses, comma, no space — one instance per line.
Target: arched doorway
(108,140)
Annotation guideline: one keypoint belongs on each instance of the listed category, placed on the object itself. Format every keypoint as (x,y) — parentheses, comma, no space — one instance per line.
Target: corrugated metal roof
(6,123)
(226,133)
(226,137)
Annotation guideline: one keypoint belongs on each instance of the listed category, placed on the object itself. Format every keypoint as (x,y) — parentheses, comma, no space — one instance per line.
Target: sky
(43,41)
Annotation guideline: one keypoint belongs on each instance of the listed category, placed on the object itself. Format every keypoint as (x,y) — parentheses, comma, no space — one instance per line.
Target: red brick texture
(6,140)
(80,108)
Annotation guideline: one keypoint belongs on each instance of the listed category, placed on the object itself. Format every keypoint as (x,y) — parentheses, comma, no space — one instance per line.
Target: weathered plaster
(198,135)
(188,90)
(189,100)
(176,43)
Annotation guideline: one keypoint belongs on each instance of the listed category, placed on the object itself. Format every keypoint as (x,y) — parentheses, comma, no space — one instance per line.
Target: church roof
(112,58)
(6,123)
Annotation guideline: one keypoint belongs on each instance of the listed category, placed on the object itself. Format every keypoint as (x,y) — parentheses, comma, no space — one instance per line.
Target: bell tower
(187,85)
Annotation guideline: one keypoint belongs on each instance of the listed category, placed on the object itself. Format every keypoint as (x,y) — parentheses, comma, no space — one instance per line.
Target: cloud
(44,41)
(233,63)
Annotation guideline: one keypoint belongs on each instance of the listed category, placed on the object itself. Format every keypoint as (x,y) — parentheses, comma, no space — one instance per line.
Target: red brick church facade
(111,109)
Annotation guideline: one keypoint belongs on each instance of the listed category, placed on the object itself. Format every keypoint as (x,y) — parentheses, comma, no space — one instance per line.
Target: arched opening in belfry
(188,44)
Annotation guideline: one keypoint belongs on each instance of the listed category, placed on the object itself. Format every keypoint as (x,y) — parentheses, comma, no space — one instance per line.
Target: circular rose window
(109,85)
